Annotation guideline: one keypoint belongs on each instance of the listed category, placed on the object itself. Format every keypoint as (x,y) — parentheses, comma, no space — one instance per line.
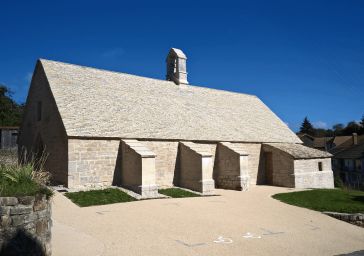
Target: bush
(24,180)
(338,183)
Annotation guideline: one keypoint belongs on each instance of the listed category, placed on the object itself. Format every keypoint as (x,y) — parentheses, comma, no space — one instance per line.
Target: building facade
(102,128)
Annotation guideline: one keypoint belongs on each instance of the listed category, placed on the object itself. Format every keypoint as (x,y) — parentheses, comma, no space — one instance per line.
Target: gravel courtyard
(235,223)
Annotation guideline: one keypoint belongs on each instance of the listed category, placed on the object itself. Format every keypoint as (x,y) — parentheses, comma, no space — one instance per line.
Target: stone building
(104,128)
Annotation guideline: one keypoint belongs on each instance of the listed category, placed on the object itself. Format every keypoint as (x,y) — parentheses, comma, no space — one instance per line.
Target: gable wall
(50,129)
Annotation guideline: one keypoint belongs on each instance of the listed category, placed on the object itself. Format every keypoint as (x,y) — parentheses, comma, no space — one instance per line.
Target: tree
(362,125)
(338,129)
(319,132)
(330,133)
(10,111)
(306,127)
(351,127)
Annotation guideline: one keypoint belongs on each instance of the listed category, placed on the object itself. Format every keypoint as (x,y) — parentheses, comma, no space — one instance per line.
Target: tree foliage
(10,111)
(337,129)
(307,127)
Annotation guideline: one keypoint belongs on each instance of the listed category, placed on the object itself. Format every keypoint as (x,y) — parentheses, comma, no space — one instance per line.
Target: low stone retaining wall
(356,218)
(25,225)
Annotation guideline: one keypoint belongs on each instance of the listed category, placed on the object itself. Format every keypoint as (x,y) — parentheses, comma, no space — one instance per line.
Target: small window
(320,166)
(39,111)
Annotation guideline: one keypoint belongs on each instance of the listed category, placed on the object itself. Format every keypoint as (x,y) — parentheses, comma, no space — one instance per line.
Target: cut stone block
(138,169)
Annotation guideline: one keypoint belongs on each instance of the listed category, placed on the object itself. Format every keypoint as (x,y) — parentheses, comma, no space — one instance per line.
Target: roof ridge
(139,76)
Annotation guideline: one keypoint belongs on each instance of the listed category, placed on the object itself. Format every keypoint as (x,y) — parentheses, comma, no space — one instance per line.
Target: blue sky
(302,58)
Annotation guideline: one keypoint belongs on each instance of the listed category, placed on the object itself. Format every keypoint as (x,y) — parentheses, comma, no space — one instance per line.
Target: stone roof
(298,151)
(99,103)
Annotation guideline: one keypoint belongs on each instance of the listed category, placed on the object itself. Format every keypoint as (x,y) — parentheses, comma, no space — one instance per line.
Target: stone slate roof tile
(99,103)
(298,151)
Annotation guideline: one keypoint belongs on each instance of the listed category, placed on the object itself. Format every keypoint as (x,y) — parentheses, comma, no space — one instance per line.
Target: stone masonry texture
(288,171)
(92,162)
(49,131)
(231,167)
(97,163)
(138,168)
(196,167)
(25,225)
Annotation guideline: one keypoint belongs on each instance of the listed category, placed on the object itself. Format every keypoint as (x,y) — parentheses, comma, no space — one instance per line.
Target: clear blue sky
(300,57)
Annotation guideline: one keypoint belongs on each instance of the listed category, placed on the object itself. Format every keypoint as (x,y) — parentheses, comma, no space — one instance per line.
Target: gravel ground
(234,223)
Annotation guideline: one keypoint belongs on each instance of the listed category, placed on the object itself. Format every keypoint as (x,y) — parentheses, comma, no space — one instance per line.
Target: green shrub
(24,180)
(338,183)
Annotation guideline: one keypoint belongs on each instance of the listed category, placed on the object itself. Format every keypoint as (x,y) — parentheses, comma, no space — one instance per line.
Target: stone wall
(308,175)
(195,168)
(93,163)
(283,169)
(138,168)
(300,173)
(165,161)
(25,225)
(48,133)
(231,167)
(166,157)
(255,164)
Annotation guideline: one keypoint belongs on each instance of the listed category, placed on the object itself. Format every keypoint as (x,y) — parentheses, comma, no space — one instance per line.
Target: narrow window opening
(320,166)
(39,111)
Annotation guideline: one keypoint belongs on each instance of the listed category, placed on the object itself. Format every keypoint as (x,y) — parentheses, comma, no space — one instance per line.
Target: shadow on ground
(21,244)
(356,253)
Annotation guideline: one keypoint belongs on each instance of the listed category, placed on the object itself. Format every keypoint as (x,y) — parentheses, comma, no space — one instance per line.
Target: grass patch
(99,197)
(177,193)
(333,200)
